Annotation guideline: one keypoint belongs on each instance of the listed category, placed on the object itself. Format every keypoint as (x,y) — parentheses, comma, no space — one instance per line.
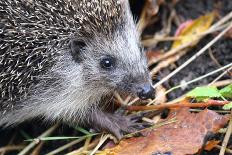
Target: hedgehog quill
(59,59)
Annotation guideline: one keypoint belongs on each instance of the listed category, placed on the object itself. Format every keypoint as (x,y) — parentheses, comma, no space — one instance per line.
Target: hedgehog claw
(116,124)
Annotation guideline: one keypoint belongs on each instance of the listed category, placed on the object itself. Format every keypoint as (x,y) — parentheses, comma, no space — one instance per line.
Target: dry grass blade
(79,151)
(227,150)
(37,149)
(195,56)
(195,80)
(11,148)
(34,143)
(167,62)
(221,75)
(227,136)
(102,140)
(66,146)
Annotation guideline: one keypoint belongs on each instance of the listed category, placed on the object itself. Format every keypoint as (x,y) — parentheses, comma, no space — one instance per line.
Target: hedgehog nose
(145,91)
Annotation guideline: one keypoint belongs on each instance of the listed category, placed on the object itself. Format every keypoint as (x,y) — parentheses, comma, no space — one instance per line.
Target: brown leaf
(186,136)
(151,54)
(211,144)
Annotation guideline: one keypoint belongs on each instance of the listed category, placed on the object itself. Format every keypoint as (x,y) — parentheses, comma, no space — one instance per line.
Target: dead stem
(66,146)
(178,105)
(227,150)
(194,56)
(34,143)
(221,75)
(79,151)
(37,149)
(11,148)
(227,136)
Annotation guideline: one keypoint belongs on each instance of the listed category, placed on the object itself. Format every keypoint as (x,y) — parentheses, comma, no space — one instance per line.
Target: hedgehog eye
(107,63)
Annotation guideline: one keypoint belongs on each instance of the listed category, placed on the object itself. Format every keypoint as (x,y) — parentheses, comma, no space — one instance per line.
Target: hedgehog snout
(145,91)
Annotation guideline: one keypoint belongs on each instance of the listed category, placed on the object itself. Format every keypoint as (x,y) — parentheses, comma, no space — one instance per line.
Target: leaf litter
(185,136)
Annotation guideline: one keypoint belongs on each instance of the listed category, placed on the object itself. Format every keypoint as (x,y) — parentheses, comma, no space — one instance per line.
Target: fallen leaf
(189,31)
(151,54)
(226,91)
(183,26)
(227,106)
(186,136)
(201,93)
(211,144)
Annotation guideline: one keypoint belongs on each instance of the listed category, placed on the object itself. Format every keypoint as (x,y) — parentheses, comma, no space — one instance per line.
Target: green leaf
(226,91)
(204,92)
(227,106)
(82,130)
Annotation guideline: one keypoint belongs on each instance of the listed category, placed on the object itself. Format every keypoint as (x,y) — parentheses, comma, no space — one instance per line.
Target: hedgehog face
(114,60)
(115,63)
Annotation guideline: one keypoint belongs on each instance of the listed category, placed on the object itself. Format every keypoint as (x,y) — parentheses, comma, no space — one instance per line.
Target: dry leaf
(190,31)
(152,54)
(211,144)
(186,136)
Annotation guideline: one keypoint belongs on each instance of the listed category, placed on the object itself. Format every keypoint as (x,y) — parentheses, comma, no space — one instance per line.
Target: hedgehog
(62,60)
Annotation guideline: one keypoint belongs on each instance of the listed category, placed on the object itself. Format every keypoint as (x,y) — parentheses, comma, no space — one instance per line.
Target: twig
(149,41)
(178,105)
(199,78)
(102,140)
(87,142)
(185,45)
(223,20)
(33,143)
(221,75)
(218,111)
(194,80)
(169,53)
(11,148)
(227,136)
(222,83)
(79,150)
(195,56)
(227,150)
(167,62)
(37,149)
(213,58)
(116,94)
(155,126)
(62,148)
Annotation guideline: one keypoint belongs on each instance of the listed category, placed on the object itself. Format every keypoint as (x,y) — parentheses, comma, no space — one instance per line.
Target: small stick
(79,151)
(11,148)
(62,148)
(227,136)
(194,57)
(102,140)
(178,105)
(37,149)
(34,143)
(227,150)
(221,75)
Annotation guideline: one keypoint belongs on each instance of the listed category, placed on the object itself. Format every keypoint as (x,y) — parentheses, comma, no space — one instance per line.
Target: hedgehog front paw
(116,124)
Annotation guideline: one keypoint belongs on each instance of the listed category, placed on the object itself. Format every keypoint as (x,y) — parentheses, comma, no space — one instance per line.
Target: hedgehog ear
(76,47)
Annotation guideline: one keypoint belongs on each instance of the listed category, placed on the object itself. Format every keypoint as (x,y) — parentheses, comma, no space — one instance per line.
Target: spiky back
(32,34)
